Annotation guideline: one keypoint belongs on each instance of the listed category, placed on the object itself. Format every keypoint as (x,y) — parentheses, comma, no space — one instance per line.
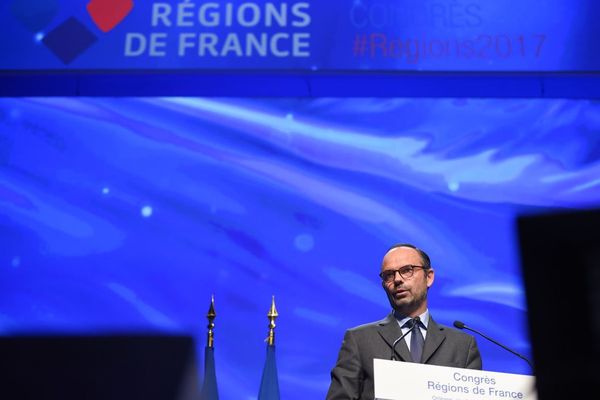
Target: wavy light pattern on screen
(120,214)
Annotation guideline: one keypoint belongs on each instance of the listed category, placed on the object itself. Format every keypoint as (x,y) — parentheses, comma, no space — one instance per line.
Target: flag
(269,385)
(209,386)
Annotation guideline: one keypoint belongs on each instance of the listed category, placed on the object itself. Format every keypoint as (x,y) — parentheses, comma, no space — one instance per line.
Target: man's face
(407,296)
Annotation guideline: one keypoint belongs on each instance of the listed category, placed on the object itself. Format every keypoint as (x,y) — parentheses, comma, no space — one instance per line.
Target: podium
(396,380)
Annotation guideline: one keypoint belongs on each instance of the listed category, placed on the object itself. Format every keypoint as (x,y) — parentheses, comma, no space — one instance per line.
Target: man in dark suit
(406,275)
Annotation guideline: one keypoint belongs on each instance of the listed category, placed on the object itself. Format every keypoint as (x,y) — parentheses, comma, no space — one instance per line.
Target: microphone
(415,324)
(461,325)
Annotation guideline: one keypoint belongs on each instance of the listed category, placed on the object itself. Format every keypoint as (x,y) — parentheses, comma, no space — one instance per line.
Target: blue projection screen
(127,214)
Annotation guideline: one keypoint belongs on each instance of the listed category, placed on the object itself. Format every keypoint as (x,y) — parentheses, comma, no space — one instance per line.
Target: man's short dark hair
(424,256)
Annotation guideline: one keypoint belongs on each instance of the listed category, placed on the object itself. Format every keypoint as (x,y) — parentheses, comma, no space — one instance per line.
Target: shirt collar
(402,319)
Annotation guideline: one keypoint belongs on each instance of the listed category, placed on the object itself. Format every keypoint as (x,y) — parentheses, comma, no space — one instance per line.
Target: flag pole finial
(211,325)
(272,315)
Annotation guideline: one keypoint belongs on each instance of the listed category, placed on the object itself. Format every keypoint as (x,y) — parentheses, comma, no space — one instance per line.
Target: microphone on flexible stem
(416,323)
(461,325)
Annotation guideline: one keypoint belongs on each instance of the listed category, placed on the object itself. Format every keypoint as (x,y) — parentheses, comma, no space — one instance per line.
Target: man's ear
(430,277)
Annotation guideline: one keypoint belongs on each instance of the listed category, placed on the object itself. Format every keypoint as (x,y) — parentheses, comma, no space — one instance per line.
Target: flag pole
(210,340)
(269,384)
(210,390)
(272,315)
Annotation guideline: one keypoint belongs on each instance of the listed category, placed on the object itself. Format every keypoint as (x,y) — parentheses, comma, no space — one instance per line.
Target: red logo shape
(107,14)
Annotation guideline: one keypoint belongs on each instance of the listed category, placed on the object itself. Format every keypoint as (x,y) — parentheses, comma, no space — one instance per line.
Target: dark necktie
(416,340)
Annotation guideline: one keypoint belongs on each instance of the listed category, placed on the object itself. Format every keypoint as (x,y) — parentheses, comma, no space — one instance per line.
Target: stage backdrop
(128,214)
(414,35)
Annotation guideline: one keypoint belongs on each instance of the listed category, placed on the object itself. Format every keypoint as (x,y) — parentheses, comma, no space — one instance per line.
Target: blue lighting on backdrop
(299,35)
(120,214)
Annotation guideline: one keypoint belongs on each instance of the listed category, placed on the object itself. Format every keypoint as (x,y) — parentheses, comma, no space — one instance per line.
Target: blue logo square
(68,40)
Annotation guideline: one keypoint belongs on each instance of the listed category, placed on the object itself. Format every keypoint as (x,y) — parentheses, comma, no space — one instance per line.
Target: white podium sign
(404,380)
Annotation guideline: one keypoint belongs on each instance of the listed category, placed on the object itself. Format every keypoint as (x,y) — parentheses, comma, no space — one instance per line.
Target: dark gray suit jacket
(352,377)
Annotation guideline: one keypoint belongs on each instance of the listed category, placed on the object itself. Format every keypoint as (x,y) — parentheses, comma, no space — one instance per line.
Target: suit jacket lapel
(435,337)
(390,331)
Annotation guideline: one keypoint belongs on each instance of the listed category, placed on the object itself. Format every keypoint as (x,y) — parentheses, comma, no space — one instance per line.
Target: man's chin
(403,306)
(409,306)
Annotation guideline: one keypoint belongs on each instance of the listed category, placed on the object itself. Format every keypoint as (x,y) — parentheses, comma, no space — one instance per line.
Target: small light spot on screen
(453,186)
(146,211)
(304,242)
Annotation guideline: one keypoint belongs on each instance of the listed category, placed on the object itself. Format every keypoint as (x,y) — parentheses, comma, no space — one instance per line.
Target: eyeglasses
(406,272)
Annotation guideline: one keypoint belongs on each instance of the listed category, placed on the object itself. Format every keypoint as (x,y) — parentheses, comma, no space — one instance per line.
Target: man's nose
(398,277)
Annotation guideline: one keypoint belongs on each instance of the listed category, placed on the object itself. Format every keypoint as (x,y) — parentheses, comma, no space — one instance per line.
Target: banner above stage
(364,35)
